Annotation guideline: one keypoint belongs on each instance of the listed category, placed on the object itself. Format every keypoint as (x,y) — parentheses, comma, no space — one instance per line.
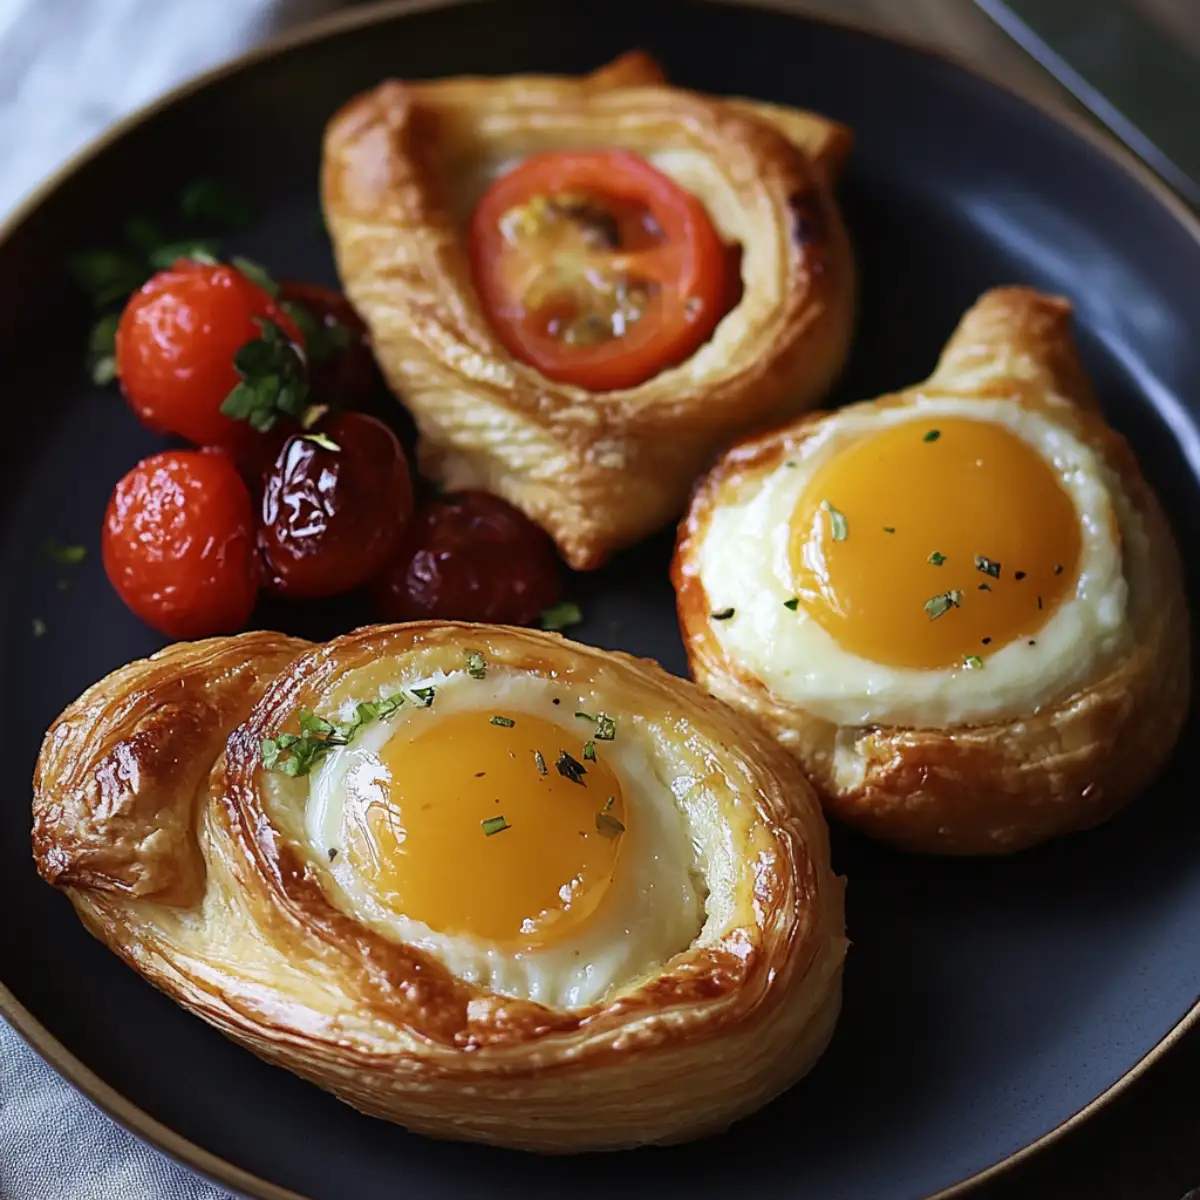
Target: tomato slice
(596,268)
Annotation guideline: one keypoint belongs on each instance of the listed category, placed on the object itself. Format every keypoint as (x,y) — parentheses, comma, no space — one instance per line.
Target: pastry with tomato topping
(582,288)
(960,606)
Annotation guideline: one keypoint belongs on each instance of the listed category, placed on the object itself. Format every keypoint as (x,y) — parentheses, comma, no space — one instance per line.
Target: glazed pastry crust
(150,812)
(403,166)
(1004,785)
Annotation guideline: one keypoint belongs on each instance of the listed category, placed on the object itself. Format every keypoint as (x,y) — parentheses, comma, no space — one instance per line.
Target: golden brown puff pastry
(403,167)
(391,924)
(959,606)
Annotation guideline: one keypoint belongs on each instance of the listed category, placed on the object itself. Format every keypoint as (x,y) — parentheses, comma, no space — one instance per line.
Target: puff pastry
(153,812)
(403,166)
(1057,742)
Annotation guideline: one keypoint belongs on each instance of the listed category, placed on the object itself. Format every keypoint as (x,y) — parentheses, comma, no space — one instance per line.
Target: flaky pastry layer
(1008,783)
(150,812)
(403,166)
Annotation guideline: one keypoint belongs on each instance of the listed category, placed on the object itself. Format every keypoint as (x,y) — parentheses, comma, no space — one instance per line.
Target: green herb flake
(1039,604)
(942,603)
(216,204)
(589,752)
(570,768)
(540,762)
(889,529)
(985,587)
(256,273)
(65,556)
(197,250)
(608,826)
(937,559)
(494,825)
(792,604)
(323,340)
(838,524)
(932,435)
(987,566)
(1058,569)
(39,627)
(609,803)
(722,614)
(972,662)
(297,754)
(606,727)
(274,380)
(423,696)
(561,616)
(333,853)
(323,440)
(503,722)
(476,664)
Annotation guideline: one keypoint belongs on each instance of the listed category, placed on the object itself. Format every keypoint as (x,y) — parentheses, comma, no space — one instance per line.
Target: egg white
(655,904)
(743,563)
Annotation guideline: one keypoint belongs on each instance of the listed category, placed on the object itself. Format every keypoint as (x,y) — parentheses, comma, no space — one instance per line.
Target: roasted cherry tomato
(175,346)
(341,367)
(597,269)
(470,557)
(179,544)
(334,508)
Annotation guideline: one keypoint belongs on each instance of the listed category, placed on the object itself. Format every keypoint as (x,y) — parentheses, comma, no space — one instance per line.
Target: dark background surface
(985,1001)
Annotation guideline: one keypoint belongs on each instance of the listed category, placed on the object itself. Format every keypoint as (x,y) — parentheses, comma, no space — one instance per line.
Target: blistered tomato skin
(471,557)
(343,370)
(178,544)
(175,345)
(332,518)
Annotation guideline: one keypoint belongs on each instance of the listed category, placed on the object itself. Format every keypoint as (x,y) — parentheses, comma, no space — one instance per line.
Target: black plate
(986,1002)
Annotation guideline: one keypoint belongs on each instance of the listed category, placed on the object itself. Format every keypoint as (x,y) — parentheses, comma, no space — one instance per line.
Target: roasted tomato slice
(597,269)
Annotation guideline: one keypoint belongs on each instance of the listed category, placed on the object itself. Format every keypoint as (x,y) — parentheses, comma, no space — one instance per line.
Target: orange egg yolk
(498,825)
(934,543)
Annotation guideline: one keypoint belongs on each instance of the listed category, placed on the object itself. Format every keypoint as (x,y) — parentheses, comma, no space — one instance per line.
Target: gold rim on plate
(87,1081)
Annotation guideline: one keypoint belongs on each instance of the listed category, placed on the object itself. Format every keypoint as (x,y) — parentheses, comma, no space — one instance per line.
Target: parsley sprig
(274,381)
(298,753)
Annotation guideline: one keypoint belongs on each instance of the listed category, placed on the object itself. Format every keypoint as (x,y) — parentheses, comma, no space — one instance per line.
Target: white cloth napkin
(68,69)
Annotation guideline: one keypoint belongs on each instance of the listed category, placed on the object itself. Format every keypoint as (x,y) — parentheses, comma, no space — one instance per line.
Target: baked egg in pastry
(481,881)
(583,287)
(959,606)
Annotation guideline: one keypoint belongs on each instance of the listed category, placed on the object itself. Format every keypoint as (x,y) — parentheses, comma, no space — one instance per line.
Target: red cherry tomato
(179,544)
(335,507)
(596,268)
(470,557)
(341,367)
(175,345)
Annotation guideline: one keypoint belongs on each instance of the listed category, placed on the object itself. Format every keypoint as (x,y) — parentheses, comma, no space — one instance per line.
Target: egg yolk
(934,543)
(498,824)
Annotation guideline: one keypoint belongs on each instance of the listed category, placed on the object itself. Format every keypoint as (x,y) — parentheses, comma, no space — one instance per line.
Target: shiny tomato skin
(345,377)
(175,345)
(690,269)
(330,519)
(470,556)
(178,544)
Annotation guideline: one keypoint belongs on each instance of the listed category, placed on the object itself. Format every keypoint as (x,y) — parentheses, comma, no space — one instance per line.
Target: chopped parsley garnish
(503,722)
(1058,569)
(1039,604)
(494,825)
(937,559)
(942,603)
(609,803)
(199,250)
(985,587)
(722,614)
(65,556)
(889,529)
(987,566)
(215,204)
(570,768)
(589,752)
(608,826)
(1018,575)
(987,641)
(256,273)
(297,753)
(274,380)
(932,435)
(323,440)
(561,616)
(332,853)
(476,664)
(791,604)
(423,695)
(838,524)
(972,662)
(39,627)
(539,762)
(606,727)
